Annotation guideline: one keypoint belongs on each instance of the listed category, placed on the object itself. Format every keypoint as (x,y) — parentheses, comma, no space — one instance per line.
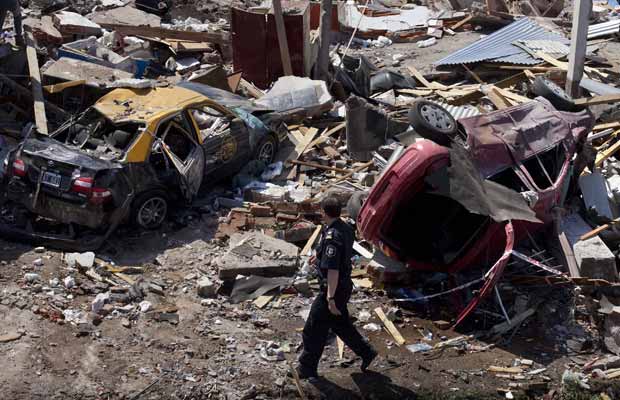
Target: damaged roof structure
(162,166)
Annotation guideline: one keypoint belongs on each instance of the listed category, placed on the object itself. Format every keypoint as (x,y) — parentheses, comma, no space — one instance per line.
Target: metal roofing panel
(604,29)
(498,47)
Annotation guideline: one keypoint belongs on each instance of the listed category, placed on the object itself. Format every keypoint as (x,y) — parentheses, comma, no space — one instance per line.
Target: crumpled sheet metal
(499,47)
(519,132)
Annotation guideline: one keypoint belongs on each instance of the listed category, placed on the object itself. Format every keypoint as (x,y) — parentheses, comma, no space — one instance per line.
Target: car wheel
(266,150)
(354,205)
(432,122)
(150,210)
(546,88)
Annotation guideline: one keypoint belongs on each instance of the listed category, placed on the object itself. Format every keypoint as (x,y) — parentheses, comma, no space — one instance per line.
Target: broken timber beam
(318,166)
(282,40)
(596,100)
(598,230)
(398,338)
(35,82)
(222,39)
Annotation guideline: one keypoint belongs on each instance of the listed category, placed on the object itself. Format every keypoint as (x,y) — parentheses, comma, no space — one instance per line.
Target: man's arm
(332,282)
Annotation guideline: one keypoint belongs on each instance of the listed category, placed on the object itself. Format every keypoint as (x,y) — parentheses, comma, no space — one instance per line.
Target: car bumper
(91,216)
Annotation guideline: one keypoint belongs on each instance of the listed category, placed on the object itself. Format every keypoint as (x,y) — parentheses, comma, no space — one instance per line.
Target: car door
(225,139)
(177,139)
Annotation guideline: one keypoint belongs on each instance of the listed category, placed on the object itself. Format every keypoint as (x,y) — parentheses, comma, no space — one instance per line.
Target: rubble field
(162,165)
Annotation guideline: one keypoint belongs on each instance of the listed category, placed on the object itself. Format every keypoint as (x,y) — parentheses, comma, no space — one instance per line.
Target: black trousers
(320,322)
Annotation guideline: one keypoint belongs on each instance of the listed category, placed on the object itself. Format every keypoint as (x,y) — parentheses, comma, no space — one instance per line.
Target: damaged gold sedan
(128,158)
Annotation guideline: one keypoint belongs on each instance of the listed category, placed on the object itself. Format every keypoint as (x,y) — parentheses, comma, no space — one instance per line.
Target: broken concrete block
(206,288)
(254,253)
(303,287)
(73,26)
(85,260)
(127,15)
(260,211)
(594,191)
(441,324)
(594,259)
(300,232)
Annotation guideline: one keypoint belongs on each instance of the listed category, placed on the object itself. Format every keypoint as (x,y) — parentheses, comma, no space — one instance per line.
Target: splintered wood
(398,338)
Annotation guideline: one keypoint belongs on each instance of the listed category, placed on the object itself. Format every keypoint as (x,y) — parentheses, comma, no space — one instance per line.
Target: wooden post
(578,42)
(282,41)
(322,65)
(35,82)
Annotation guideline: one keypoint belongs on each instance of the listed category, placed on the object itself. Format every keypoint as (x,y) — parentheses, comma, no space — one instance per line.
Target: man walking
(329,309)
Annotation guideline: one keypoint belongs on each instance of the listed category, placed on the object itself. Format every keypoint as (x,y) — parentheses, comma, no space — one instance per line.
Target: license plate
(51,179)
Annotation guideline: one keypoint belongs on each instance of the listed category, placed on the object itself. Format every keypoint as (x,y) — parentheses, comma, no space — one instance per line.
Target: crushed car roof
(153,103)
(146,104)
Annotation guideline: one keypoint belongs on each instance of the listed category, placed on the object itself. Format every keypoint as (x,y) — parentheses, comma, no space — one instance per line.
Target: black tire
(150,209)
(267,149)
(354,205)
(433,122)
(546,88)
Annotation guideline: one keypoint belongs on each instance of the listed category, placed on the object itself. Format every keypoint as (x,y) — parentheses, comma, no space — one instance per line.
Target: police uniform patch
(330,251)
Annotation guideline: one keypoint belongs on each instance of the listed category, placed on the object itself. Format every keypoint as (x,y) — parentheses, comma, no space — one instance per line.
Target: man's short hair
(331,206)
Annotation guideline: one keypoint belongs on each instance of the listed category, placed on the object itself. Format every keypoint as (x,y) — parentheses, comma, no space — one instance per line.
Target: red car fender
(492,275)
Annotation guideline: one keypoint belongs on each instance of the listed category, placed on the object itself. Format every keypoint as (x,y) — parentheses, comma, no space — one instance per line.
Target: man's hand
(312,260)
(332,308)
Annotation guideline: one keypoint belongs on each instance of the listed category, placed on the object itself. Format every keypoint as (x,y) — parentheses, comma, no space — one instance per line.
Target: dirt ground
(212,351)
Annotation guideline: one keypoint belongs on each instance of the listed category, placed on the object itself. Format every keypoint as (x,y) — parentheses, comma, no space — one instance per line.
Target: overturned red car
(413,217)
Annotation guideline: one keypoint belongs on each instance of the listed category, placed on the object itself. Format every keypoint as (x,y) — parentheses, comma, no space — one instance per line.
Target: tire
(546,88)
(433,122)
(354,205)
(267,149)
(150,209)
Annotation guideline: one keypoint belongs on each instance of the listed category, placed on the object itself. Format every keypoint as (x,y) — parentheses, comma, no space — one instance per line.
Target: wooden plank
(598,230)
(308,246)
(282,41)
(513,96)
(262,301)
(325,135)
(473,74)
(462,22)
(434,85)
(608,125)
(348,175)
(220,38)
(497,99)
(35,82)
(398,338)
(596,100)
(604,155)
(318,166)
(340,348)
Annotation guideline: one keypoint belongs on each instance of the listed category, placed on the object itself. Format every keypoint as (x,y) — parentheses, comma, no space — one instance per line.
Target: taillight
(83,185)
(96,195)
(19,167)
(100,196)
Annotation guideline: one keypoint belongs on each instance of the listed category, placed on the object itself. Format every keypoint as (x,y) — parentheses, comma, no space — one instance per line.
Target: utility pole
(322,65)
(578,42)
(282,41)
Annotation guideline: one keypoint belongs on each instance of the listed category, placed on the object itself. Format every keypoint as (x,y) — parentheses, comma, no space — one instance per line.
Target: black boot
(366,361)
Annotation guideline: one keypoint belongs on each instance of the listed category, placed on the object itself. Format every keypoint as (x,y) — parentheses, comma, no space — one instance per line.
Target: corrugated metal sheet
(552,47)
(604,29)
(498,47)
(459,112)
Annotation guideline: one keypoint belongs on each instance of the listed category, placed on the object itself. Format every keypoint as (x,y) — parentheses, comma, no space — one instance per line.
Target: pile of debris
(485,197)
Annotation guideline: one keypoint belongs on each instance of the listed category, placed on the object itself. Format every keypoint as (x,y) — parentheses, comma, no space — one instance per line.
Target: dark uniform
(334,251)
